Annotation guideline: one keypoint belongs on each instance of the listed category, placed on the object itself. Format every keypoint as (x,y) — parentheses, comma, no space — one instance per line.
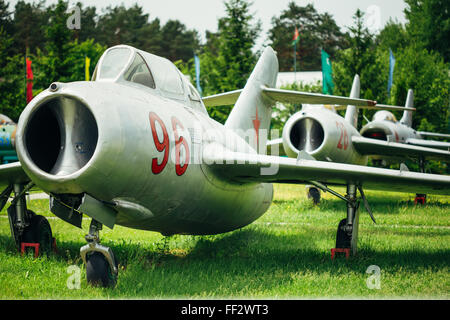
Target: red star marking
(256,124)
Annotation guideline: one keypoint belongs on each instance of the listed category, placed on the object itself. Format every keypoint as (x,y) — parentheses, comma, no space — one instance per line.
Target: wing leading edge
(369,147)
(12,173)
(243,167)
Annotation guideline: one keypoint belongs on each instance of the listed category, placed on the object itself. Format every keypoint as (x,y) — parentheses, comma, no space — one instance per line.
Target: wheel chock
(340,250)
(25,245)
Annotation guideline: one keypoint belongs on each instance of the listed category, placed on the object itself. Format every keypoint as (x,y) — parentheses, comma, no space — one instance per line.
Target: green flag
(327,74)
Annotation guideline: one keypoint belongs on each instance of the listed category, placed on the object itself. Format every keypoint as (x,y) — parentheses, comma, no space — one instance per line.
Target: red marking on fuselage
(256,125)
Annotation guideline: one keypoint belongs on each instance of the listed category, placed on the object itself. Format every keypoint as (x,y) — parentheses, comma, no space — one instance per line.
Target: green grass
(284,254)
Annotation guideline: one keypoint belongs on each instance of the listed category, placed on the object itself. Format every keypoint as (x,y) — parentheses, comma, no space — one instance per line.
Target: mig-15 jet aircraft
(135,147)
(317,132)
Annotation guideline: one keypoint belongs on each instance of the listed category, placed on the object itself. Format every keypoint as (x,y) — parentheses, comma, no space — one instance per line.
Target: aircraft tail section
(251,115)
(351,115)
(407,114)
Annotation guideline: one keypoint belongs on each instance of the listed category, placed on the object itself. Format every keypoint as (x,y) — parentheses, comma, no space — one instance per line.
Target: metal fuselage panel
(336,145)
(128,167)
(389,131)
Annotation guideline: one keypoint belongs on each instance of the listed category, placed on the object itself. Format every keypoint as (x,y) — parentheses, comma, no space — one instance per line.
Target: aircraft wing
(434,135)
(12,173)
(243,167)
(429,143)
(372,147)
(287,96)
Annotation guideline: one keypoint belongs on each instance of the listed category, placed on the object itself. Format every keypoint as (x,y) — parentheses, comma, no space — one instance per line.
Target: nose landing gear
(101,266)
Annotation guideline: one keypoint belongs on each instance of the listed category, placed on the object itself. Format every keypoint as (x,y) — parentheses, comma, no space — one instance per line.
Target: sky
(202,15)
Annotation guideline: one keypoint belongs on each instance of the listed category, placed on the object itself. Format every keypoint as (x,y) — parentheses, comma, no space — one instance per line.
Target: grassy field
(283,255)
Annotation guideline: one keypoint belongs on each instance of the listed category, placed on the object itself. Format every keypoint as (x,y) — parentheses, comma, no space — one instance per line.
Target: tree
(12,79)
(426,73)
(178,43)
(362,58)
(227,59)
(393,36)
(429,24)
(317,31)
(120,25)
(27,26)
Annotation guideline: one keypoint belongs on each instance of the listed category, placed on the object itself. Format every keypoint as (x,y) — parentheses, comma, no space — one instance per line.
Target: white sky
(202,15)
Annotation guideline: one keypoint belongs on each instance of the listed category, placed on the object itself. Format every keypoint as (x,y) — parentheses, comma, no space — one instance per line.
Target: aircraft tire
(314,194)
(39,231)
(343,239)
(98,271)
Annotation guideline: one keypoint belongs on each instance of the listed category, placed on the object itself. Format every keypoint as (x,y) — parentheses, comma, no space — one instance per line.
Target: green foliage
(426,73)
(429,24)
(416,68)
(284,254)
(227,59)
(317,31)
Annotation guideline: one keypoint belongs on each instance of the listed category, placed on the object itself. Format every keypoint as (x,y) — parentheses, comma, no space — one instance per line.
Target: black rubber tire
(314,194)
(39,231)
(98,271)
(343,239)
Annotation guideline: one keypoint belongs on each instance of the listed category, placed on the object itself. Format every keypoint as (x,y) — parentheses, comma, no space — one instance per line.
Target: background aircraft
(318,132)
(385,127)
(7,140)
(136,147)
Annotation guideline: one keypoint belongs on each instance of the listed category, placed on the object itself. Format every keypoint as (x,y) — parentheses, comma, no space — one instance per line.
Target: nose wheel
(101,266)
(99,272)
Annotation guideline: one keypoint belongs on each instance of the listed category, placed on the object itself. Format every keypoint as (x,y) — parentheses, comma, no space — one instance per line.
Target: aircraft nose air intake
(307,134)
(60,136)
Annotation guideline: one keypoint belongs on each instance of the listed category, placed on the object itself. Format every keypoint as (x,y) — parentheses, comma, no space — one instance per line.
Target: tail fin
(351,115)
(252,111)
(407,114)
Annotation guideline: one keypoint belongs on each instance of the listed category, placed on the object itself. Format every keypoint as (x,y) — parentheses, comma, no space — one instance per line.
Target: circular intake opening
(61,136)
(307,134)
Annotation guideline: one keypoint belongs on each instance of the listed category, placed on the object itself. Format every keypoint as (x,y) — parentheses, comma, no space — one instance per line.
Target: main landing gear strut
(421,198)
(27,228)
(347,231)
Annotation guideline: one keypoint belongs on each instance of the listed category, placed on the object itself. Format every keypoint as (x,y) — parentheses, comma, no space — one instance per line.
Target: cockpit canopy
(126,64)
(384,116)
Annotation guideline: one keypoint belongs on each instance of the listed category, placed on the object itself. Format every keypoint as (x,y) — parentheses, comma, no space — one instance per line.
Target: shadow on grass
(244,262)
(378,205)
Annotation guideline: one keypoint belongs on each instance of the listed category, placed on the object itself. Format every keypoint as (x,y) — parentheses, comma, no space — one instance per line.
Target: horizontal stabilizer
(372,147)
(287,96)
(222,99)
(379,107)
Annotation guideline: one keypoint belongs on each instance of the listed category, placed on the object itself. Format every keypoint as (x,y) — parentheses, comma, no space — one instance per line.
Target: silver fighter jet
(135,147)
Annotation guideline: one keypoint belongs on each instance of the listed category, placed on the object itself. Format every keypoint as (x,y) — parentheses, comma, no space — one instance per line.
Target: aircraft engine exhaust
(303,134)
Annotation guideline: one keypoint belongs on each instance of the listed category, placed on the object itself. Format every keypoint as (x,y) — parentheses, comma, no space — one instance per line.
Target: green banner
(327,74)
